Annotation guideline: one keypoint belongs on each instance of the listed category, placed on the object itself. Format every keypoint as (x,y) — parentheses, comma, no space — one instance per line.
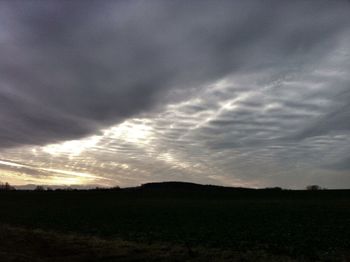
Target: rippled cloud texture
(240,93)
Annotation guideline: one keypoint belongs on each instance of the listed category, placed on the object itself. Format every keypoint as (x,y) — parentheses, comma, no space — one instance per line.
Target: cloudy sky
(237,93)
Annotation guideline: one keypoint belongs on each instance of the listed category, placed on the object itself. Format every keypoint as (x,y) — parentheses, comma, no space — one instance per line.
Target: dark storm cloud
(70,68)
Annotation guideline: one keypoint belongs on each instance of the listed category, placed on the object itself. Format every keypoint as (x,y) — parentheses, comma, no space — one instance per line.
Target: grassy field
(252,225)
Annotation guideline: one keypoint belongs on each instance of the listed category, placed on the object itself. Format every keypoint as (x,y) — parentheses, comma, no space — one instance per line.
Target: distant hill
(174,185)
(187,187)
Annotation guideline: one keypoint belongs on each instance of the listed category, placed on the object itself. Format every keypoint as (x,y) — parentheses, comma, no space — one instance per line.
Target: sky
(236,93)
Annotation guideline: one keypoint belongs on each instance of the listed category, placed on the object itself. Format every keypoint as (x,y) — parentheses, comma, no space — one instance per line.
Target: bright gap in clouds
(72,147)
(135,133)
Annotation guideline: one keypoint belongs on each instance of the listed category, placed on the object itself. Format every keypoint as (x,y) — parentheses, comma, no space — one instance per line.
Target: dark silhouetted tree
(39,188)
(6,187)
(313,187)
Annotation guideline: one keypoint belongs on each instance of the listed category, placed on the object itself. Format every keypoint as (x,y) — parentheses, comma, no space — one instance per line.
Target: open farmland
(301,225)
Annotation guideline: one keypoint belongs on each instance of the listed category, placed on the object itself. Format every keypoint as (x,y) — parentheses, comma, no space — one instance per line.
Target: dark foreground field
(175,224)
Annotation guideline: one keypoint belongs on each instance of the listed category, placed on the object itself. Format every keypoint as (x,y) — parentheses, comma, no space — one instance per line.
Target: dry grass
(23,245)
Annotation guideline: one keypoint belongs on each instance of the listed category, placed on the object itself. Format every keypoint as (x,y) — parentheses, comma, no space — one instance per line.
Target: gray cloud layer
(230,89)
(69,68)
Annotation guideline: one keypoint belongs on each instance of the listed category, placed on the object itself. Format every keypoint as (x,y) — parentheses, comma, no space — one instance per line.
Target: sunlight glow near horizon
(56,177)
(135,131)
